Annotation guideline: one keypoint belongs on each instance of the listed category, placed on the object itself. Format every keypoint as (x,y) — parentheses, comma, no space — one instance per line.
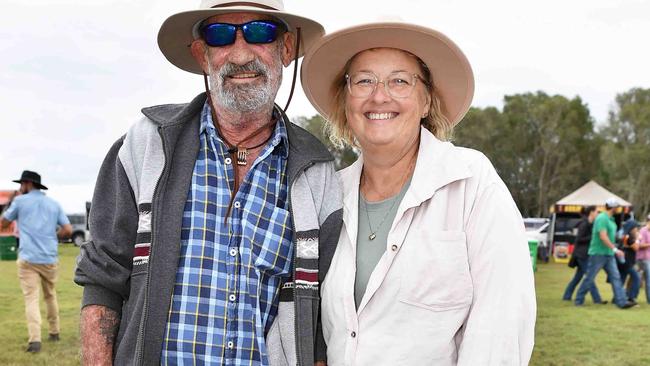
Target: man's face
(25,187)
(592,215)
(244,77)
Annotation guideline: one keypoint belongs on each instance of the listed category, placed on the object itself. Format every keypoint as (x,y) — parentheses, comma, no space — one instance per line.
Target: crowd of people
(624,254)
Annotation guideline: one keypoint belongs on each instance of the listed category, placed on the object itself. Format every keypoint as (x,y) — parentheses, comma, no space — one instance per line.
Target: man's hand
(64,232)
(618,252)
(4,223)
(98,328)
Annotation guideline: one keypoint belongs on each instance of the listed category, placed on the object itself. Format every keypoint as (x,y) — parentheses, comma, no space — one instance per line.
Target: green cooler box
(532,246)
(8,250)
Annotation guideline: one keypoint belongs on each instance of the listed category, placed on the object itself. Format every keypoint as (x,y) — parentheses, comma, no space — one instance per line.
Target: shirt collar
(279,138)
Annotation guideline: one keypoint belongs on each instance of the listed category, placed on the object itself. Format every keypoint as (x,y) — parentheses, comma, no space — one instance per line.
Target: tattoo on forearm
(108,324)
(99,326)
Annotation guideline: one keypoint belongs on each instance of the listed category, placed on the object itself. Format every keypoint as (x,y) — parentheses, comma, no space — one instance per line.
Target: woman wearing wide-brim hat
(432,265)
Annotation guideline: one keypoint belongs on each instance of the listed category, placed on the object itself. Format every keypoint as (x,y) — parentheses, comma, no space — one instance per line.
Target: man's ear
(198,52)
(288,50)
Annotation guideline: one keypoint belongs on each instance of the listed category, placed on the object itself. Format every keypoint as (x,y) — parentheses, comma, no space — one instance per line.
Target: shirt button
(353,334)
(394,248)
(233,252)
(231,344)
(228,161)
(237,204)
(232,297)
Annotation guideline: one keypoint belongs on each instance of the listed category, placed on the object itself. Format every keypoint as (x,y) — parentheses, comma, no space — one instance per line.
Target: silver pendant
(372,236)
(242,153)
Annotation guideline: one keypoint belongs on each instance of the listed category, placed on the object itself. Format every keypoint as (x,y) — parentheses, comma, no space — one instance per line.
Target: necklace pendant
(242,153)
(372,236)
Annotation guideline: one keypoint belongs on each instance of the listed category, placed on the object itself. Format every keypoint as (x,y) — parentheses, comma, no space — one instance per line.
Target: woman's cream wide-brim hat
(179,30)
(451,72)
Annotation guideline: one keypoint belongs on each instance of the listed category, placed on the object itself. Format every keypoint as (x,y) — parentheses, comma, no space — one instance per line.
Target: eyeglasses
(255,32)
(397,84)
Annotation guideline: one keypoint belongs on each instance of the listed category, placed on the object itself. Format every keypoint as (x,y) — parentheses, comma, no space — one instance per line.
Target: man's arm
(603,236)
(104,264)
(64,231)
(98,328)
(642,242)
(4,223)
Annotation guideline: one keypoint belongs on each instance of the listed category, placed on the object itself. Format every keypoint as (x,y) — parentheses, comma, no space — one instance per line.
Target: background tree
(316,125)
(543,147)
(626,150)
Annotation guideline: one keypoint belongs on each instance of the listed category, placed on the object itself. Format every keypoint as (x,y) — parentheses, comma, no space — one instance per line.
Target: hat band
(244,3)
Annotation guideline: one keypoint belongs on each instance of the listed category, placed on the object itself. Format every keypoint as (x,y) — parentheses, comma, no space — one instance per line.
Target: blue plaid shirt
(229,274)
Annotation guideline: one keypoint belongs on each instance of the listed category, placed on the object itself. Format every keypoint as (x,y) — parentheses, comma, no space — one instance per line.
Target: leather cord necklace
(240,153)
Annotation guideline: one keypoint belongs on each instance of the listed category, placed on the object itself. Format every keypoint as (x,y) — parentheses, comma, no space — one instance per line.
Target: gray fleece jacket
(130,264)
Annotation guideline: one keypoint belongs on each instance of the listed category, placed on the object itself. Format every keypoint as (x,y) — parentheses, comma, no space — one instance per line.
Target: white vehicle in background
(537,229)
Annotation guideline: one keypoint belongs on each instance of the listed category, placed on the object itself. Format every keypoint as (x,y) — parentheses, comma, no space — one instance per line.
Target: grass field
(565,335)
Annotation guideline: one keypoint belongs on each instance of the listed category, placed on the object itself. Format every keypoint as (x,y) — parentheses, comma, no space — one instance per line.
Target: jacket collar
(304,148)
(437,165)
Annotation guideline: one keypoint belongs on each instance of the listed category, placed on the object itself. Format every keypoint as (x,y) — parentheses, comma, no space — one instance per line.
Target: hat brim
(452,74)
(36,184)
(175,35)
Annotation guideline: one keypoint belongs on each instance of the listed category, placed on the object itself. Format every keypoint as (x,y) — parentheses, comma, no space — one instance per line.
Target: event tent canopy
(590,194)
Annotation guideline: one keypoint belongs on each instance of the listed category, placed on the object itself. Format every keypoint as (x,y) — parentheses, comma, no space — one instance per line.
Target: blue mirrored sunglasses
(255,32)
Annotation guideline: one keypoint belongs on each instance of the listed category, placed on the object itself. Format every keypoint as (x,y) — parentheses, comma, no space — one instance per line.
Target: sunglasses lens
(260,32)
(218,34)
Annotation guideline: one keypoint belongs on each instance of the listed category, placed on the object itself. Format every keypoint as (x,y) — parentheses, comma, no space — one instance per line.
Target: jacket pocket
(436,272)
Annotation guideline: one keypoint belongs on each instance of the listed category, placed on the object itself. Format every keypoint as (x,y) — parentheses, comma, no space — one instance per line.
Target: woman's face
(380,120)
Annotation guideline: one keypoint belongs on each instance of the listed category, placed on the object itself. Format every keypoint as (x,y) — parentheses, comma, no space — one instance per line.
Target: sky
(74,74)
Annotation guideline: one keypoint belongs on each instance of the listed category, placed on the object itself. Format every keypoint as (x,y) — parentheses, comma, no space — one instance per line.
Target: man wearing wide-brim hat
(38,217)
(213,222)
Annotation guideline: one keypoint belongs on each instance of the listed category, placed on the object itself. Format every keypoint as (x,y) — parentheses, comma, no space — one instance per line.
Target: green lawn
(13,329)
(566,335)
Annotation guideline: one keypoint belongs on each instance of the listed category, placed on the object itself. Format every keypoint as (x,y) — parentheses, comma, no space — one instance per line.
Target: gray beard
(245,97)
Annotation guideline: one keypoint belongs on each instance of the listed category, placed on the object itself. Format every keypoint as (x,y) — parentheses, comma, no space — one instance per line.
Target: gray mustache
(254,66)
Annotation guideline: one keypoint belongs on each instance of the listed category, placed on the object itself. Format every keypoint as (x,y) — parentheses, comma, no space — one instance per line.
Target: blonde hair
(339,131)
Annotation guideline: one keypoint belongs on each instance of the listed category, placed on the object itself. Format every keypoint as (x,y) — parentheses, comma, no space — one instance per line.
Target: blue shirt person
(38,217)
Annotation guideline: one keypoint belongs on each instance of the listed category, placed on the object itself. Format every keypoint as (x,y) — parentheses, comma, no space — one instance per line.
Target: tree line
(546,146)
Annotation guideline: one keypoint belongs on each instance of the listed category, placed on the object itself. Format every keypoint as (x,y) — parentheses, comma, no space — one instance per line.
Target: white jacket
(455,285)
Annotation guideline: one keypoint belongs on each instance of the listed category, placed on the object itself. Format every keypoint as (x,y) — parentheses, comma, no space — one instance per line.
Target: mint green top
(602,222)
(370,251)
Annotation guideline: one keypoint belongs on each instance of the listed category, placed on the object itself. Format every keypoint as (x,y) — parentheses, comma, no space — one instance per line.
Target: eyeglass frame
(386,88)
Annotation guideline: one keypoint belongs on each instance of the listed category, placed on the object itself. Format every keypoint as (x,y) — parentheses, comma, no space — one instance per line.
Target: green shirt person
(601,256)
(603,235)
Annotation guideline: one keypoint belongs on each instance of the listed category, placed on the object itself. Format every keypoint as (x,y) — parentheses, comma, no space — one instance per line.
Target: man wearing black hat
(38,217)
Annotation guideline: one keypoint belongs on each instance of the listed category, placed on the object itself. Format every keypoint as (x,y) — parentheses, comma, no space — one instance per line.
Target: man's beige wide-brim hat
(180,30)
(452,75)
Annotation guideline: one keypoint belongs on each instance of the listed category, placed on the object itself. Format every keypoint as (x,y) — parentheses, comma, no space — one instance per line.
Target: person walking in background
(213,222)
(38,217)
(643,255)
(630,245)
(601,256)
(580,256)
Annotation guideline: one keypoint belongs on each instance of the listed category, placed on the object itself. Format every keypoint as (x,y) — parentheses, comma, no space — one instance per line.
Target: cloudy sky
(74,74)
